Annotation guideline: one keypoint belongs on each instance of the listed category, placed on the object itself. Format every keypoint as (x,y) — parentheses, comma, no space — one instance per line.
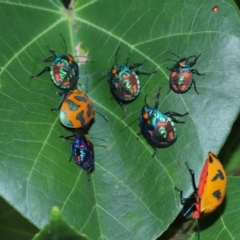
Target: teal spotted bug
(157,127)
(124,81)
(64,71)
(82,151)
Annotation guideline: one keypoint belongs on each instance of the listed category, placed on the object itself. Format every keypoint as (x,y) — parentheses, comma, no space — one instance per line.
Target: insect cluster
(76,108)
(77,112)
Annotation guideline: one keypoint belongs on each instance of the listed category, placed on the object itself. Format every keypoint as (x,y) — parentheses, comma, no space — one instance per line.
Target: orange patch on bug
(206,202)
(145,115)
(84,107)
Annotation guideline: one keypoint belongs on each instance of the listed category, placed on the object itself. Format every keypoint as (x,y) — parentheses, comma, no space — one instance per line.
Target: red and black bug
(181,77)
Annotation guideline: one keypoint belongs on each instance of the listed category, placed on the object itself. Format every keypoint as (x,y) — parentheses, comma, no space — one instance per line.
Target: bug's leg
(137,64)
(60,93)
(155,150)
(172,114)
(195,60)
(128,115)
(52,51)
(88,175)
(195,71)
(148,137)
(152,145)
(185,202)
(170,69)
(189,208)
(157,98)
(46,69)
(144,72)
(182,200)
(102,115)
(63,95)
(169,90)
(68,137)
(89,171)
(72,152)
(145,100)
(194,85)
(49,59)
(124,109)
(192,173)
(122,106)
(176,121)
(198,228)
(177,114)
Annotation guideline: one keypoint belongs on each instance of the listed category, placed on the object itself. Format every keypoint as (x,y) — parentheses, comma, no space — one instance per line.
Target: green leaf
(131,195)
(57,228)
(230,152)
(13,225)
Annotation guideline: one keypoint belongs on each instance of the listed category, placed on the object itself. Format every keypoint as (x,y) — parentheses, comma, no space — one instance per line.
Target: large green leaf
(13,225)
(57,228)
(131,195)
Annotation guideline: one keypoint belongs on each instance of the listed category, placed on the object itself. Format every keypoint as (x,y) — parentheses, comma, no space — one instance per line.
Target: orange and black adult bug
(210,192)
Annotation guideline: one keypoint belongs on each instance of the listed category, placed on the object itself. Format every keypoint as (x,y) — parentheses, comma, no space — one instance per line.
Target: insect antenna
(157,98)
(116,54)
(102,115)
(174,54)
(130,114)
(171,60)
(65,44)
(145,100)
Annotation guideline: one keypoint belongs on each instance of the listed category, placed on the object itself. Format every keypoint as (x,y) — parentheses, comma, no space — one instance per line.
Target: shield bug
(82,151)
(210,192)
(157,127)
(124,81)
(76,109)
(181,77)
(64,71)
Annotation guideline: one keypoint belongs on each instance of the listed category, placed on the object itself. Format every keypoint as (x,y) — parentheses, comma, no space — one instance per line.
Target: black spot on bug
(217,194)
(81,118)
(81,98)
(89,110)
(219,175)
(72,106)
(211,160)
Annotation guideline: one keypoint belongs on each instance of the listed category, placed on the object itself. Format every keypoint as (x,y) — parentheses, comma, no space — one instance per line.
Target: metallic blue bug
(124,82)
(64,71)
(83,152)
(158,127)
(181,78)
